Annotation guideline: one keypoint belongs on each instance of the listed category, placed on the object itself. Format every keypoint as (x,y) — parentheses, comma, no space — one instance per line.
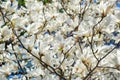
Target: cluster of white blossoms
(59,40)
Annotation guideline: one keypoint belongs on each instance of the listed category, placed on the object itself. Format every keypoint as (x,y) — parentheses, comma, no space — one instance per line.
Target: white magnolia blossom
(59,40)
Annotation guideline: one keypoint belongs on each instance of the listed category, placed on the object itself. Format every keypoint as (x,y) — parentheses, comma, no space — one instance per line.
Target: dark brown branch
(93,33)
(2,14)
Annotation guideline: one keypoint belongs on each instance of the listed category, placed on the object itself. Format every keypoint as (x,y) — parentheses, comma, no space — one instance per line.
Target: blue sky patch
(118,4)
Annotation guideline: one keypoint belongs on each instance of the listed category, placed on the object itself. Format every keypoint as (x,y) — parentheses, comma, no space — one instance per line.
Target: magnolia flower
(105,8)
(6,32)
(5,70)
(8,6)
(79,69)
(115,60)
(53,36)
(15,20)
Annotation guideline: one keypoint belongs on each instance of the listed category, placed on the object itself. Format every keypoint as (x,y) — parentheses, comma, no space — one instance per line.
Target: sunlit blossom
(59,39)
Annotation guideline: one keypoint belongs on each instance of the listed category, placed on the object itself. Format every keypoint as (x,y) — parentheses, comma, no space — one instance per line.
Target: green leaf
(46,1)
(21,2)
(61,10)
(22,33)
(1,41)
(99,35)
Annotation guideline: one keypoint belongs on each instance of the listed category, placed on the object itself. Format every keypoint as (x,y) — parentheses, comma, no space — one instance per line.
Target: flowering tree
(59,39)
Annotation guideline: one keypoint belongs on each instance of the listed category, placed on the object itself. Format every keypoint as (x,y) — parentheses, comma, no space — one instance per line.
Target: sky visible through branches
(59,40)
